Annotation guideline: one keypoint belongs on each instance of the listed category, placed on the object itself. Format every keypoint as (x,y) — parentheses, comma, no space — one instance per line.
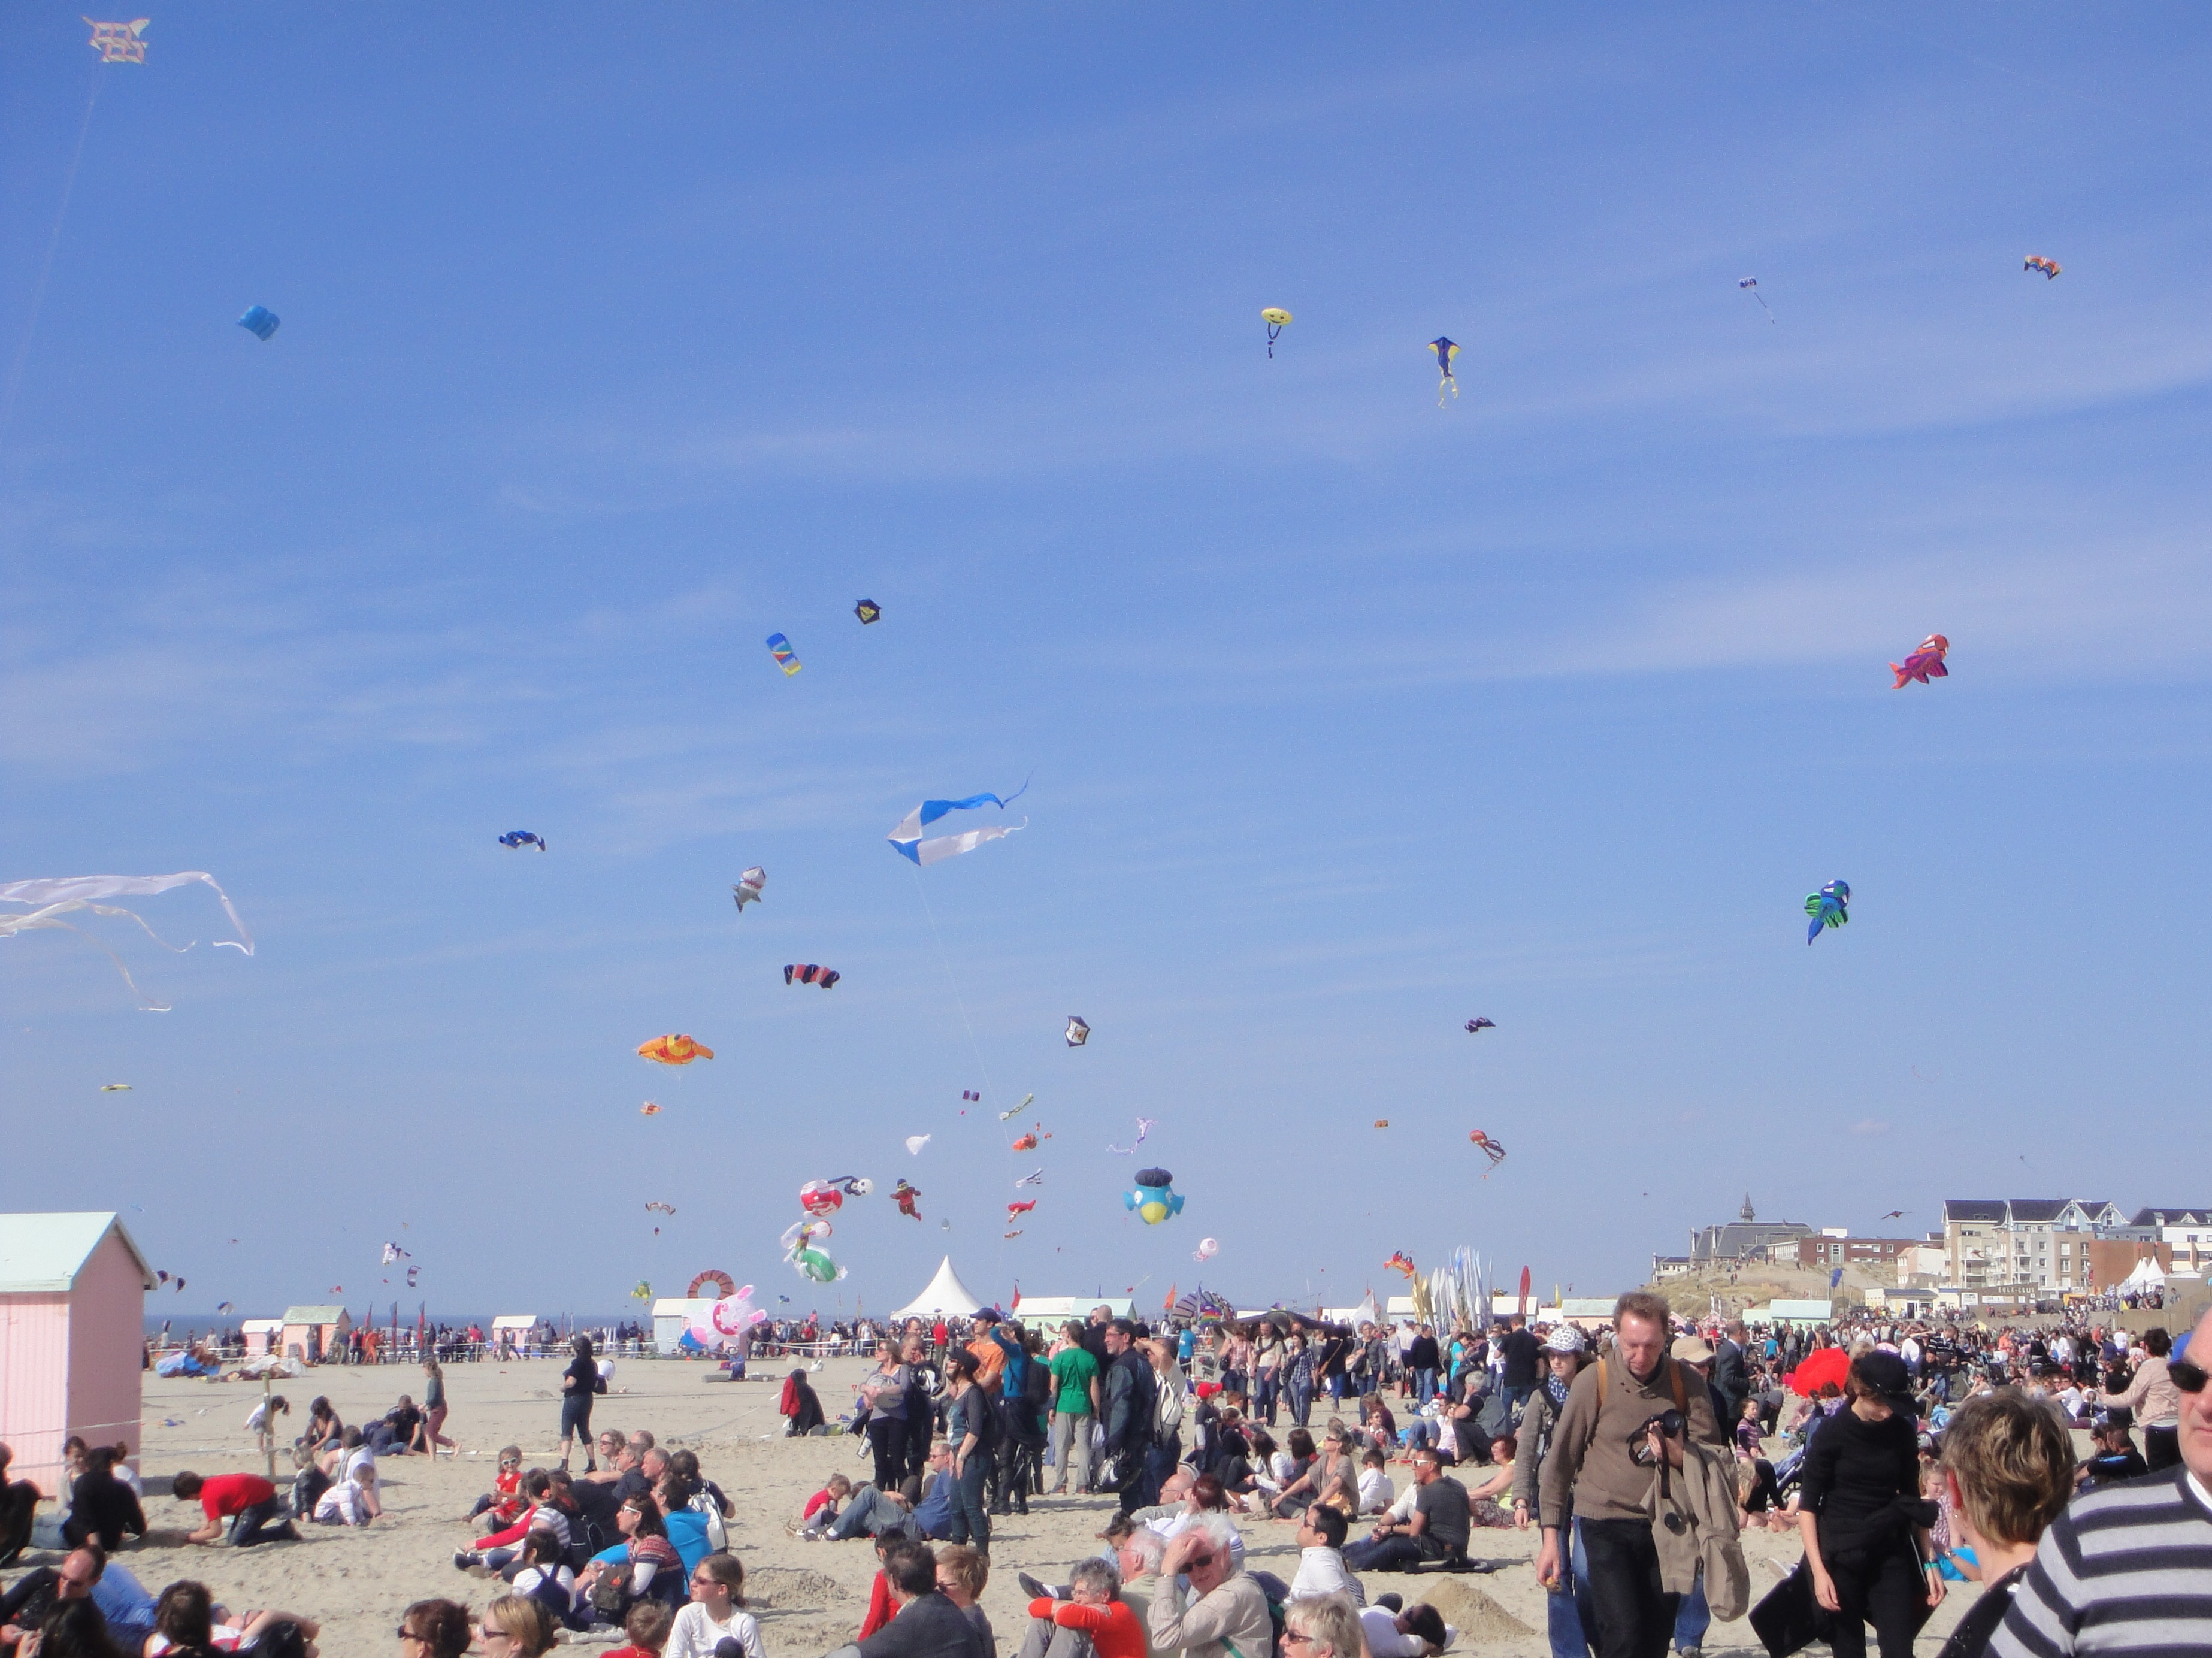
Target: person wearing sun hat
(1567,1611)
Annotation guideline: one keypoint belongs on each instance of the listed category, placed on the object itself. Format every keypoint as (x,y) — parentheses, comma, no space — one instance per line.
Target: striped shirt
(2126,1569)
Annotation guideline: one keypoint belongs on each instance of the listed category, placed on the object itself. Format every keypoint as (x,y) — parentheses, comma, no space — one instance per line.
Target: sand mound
(1479,1619)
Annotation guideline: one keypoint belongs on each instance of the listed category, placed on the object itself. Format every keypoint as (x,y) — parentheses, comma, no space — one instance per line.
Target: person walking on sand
(579,1383)
(428,1433)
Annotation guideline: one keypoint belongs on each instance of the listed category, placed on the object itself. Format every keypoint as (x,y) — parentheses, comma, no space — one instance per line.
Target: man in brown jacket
(1603,1462)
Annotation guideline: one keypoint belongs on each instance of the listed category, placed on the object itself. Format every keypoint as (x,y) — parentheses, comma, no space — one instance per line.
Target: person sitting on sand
(799,1406)
(187,1620)
(351,1501)
(873,1513)
(495,1551)
(102,1508)
(544,1576)
(504,1500)
(520,1627)
(716,1613)
(821,1510)
(1093,1617)
(434,1628)
(646,1628)
(962,1574)
(645,1562)
(927,1625)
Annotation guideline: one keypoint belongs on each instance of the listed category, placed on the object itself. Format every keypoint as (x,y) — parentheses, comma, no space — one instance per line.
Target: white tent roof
(945,1294)
(43,1253)
(2145,1276)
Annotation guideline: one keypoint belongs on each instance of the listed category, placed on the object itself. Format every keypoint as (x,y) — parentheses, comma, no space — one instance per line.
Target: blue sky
(612,344)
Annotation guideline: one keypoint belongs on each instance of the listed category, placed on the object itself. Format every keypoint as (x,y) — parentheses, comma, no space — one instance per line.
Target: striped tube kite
(906,838)
(1445,350)
(50,899)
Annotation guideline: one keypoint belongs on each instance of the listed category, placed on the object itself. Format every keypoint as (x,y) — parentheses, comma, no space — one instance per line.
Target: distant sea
(180,1323)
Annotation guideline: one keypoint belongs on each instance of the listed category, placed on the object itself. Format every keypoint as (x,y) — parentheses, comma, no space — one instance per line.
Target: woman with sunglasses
(716,1613)
(1322,1626)
(434,1629)
(2156,1402)
(516,1626)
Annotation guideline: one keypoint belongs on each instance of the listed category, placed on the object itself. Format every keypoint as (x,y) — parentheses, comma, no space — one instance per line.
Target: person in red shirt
(1094,1609)
(648,1627)
(247,1500)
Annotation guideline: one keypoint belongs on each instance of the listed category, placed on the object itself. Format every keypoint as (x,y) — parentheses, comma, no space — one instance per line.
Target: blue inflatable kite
(906,838)
(260,322)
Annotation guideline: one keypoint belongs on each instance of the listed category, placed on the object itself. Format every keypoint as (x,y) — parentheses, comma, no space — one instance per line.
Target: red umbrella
(1817,1368)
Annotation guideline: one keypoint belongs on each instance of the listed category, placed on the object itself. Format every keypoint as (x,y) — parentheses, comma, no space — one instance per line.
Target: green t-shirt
(1073,1373)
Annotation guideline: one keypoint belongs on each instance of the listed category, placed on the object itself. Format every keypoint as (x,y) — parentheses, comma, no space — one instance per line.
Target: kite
(673,1050)
(1445,351)
(54,897)
(1897,1214)
(642,1292)
(650,1108)
(667,1209)
(906,837)
(913,1145)
(1016,1111)
(1206,1250)
(1145,1125)
(1155,1198)
(1035,1177)
(747,888)
(909,1199)
(810,974)
(821,1197)
(1491,1147)
(970,1094)
(1924,664)
(1481,1024)
(721,1280)
(1277,319)
(1382,1122)
(393,1251)
(852,1186)
(1077,1032)
(165,1279)
(1016,1233)
(1750,285)
(119,43)
(413,1272)
(1400,1261)
(225,1307)
(868,611)
(115,1088)
(259,321)
(780,649)
(1829,906)
(1022,1208)
(2037,262)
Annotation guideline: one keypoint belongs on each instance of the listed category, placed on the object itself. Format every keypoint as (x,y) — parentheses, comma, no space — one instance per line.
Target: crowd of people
(1905,1458)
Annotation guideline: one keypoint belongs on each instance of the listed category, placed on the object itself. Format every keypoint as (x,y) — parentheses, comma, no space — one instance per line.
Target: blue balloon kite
(1829,906)
(259,321)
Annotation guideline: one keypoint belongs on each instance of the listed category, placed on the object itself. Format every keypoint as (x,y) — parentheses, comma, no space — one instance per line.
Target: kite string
(45,269)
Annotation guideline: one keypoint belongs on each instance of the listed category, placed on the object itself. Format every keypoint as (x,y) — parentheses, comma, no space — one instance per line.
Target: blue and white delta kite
(907,840)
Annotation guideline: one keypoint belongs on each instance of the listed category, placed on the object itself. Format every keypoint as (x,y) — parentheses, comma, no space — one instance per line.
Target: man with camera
(1624,1417)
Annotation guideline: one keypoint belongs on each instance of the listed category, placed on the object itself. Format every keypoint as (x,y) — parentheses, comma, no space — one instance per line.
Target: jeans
(1399,1553)
(1633,1614)
(254,1525)
(1161,1457)
(1071,1450)
(1301,1402)
(2162,1447)
(1138,1489)
(887,1439)
(869,1514)
(576,1421)
(1567,1612)
(1693,1617)
(971,1516)
(1047,1639)
(1336,1386)
(1424,1385)
(1266,1391)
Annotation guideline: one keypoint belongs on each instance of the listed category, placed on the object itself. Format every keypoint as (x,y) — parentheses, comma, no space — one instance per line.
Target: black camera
(1670,1425)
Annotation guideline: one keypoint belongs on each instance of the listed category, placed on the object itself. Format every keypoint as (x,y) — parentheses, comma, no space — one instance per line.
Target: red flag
(1168,1305)
(1524,1292)
(1016,1307)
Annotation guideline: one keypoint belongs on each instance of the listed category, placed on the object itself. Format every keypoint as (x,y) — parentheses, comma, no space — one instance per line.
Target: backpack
(703,1504)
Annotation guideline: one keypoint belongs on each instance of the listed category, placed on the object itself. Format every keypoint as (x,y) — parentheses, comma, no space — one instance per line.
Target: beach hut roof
(314,1314)
(945,1294)
(43,1253)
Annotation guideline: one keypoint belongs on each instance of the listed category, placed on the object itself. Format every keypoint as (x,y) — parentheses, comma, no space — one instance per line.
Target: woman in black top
(1861,1516)
(578,1383)
(102,1508)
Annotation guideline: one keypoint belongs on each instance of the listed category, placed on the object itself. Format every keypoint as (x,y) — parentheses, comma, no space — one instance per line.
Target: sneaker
(463,1560)
(1031,1587)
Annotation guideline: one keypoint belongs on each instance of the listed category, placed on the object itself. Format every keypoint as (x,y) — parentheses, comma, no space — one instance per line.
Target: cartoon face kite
(780,649)
(1206,1250)
(1491,1147)
(259,321)
(909,1199)
(1750,284)
(906,835)
(820,1197)
(810,974)
(1400,1261)
(515,840)
(1829,906)
(673,1050)
(2048,267)
(1077,1032)
(1277,319)
(1924,664)
(747,890)
(1155,1198)
(1478,1023)
(642,1291)
(1446,380)
(868,611)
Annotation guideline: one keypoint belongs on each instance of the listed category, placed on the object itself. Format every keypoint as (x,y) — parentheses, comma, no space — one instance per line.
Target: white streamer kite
(906,839)
(52,899)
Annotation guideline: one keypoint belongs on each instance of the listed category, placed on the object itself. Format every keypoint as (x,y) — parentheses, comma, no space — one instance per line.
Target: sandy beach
(811,1596)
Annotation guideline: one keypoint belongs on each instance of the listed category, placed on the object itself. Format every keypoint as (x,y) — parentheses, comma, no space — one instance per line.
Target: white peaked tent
(2146,1276)
(945,1294)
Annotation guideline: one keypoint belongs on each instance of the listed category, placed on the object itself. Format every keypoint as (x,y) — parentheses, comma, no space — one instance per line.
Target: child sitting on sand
(504,1499)
(648,1627)
(821,1512)
(351,1501)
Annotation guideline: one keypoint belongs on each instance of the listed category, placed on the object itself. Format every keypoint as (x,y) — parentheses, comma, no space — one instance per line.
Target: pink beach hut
(72,1337)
